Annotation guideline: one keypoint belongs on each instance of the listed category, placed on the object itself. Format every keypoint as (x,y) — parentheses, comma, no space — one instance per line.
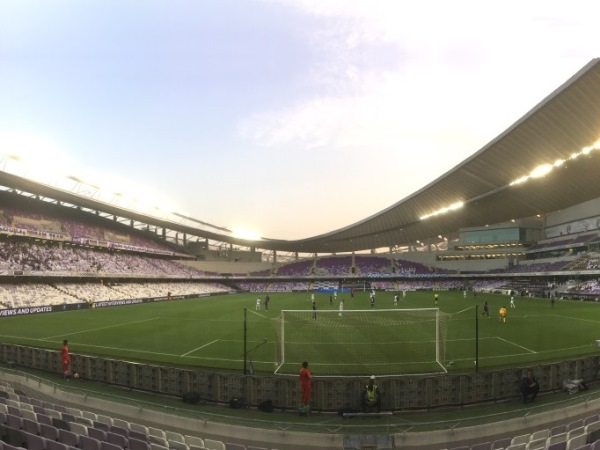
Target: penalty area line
(515,344)
(199,348)
(258,314)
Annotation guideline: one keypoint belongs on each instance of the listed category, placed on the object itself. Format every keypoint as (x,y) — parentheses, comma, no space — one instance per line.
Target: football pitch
(208,332)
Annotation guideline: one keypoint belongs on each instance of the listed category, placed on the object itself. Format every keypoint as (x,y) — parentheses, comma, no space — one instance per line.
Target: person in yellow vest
(502,314)
(371,397)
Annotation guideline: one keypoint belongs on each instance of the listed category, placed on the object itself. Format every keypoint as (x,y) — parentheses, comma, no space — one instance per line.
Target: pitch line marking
(199,348)
(517,345)
(98,329)
(463,310)
(258,314)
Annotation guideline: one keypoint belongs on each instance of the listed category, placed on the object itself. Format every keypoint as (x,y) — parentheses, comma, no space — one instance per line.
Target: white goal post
(384,342)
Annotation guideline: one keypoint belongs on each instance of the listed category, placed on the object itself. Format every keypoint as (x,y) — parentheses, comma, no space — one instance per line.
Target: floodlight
(541,171)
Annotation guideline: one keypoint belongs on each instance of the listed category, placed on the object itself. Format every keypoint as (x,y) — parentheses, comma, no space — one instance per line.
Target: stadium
(174,308)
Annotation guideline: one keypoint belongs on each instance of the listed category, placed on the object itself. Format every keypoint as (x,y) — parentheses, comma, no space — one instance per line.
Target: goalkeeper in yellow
(502,314)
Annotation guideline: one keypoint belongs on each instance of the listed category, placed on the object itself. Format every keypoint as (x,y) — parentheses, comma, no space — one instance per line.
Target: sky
(284,118)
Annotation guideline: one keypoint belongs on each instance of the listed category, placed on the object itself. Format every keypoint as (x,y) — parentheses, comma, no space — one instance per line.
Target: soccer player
(396,300)
(65,358)
(403,294)
(502,314)
(486,310)
(512,301)
(435,298)
(305,377)
(314,314)
(258,304)
(372,300)
(341,307)
(267,300)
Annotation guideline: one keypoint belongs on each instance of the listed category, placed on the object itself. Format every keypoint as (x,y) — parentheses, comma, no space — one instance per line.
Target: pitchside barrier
(328,393)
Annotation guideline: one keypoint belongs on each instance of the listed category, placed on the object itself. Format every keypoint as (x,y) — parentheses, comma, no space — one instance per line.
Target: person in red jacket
(305,377)
(65,359)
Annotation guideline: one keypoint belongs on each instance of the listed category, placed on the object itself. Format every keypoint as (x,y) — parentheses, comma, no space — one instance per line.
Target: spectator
(529,386)
(371,397)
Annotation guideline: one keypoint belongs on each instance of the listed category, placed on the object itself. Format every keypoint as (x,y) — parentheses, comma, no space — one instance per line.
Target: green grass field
(208,332)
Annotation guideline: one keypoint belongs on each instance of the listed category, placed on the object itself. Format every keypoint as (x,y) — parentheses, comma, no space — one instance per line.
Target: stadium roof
(561,134)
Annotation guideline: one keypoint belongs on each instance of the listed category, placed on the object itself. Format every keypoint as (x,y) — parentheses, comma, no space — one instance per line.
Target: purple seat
(14,421)
(557,446)
(55,445)
(117,439)
(136,444)
(13,410)
(43,418)
(501,443)
(31,426)
(138,435)
(119,430)
(101,425)
(50,432)
(35,442)
(109,446)
(97,434)
(89,443)
(69,438)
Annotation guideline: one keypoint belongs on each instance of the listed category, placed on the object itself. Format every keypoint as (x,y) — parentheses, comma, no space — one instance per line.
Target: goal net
(362,342)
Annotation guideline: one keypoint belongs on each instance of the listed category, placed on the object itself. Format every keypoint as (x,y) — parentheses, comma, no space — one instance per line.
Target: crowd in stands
(29,255)
(40,294)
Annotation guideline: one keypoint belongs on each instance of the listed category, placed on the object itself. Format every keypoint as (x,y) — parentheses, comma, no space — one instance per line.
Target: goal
(362,342)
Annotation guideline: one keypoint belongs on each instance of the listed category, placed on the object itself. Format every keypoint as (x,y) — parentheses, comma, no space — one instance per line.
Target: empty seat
(212,444)
(78,428)
(576,442)
(104,419)
(85,421)
(101,426)
(158,440)
(155,446)
(43,418)
(230,446)
(156,432)
(117,439)
(69,438)
(55,445)
(521,439)
(50,432)
(138,427)
(89,415)
(173,436)
(75,412)
(119,430)
(536,444)
(136,444)
(35,442)
(176,445)
(31,426)
(108,446)
(89,443)
(194,441)
(121,423)
(97,433)
(26,414)
(575,424)
(14,421)
(138,435)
